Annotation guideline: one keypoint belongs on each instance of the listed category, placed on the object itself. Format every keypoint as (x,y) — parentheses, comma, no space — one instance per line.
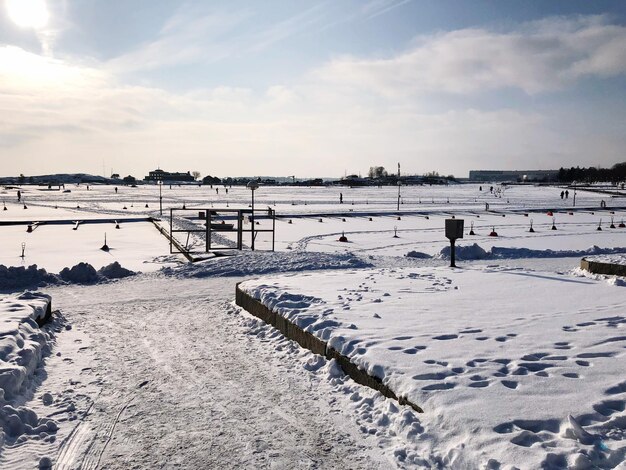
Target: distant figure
(19,196)
(226,190)
(562,194)
(340,198)
(480,188)
(603,203)
(87,187)
(490,189)
(486,206)
(116,190)
(269,210)
(566,194)
(217,190)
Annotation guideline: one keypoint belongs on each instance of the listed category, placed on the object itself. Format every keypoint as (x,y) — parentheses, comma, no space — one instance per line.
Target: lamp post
(574,204)
(160,183)
(399,184)
(252,186)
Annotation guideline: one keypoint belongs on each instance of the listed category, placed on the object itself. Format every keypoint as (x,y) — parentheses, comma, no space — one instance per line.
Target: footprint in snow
(470,331)
(439,386)
(512,384)
(445,337)
(571,375)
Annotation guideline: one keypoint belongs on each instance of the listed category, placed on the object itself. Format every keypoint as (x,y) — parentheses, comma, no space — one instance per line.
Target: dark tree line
(615,174)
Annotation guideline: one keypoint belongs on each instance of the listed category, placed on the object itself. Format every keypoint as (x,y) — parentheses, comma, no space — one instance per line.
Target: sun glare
(28,13)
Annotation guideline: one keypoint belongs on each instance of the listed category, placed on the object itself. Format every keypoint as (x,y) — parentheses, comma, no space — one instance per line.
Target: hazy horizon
(301,88)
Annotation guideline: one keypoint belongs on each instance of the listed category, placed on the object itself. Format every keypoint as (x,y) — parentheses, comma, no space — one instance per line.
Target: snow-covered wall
(22,346)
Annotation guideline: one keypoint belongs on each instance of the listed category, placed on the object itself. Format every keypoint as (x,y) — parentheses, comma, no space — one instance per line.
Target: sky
(310,88)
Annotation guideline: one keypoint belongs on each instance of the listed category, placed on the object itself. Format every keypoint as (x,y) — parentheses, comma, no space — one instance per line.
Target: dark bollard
(105,247)
(454,230)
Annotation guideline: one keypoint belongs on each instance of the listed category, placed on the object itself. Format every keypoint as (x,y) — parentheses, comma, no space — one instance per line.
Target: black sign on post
(454,230)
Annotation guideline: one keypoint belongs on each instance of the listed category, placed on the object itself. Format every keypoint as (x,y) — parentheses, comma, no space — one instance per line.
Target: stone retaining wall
(603,268)
(316,345)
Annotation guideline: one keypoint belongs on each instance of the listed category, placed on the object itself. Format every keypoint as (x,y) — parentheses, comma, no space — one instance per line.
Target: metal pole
(398,195)
(209,229)
(273,229)
(171,227)
(252,220)
(574,196)
(160,198)
(239,230)
(452,253)
(207,244)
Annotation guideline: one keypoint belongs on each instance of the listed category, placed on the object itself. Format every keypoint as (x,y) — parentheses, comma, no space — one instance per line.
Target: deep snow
(454,341)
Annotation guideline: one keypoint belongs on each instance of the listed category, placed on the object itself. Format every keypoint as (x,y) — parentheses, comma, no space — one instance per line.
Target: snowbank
(18,278)
(475,251)
(82,273)
(465,252)
(15,278)
(22,345)
(115,271)
(267,262)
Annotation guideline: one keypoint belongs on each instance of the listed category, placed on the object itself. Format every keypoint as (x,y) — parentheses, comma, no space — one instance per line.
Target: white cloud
(186,38)
(61,115)
(541,56)
(193,36)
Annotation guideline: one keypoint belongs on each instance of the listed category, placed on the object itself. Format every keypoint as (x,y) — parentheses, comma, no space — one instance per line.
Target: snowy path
(187,384)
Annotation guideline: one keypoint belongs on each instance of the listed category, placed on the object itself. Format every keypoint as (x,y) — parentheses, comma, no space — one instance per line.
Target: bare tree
(377,172)
(196,174)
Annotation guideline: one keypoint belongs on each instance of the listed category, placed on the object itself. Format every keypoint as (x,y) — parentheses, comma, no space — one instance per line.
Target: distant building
(354,180)
(160,175)
(513,175)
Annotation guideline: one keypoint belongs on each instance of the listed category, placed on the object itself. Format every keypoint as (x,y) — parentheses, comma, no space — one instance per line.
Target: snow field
(137,246)
(458,341)
(489,395)
(139,250)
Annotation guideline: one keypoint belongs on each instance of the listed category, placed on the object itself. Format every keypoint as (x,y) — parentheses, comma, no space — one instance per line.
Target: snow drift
(18,278)
(267,263)
(475,251)
(22,346)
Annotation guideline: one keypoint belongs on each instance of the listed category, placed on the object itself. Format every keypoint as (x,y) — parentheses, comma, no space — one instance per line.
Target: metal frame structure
(208,218)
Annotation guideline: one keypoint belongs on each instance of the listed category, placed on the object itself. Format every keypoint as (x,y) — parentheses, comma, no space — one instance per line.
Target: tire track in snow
(215,396)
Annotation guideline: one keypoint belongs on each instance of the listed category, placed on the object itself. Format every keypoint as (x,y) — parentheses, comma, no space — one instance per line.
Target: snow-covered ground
(609,259)
(458,341)
(160,369)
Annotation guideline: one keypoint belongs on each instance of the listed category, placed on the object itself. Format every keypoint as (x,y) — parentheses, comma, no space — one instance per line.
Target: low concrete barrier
(609,269)
(316,345)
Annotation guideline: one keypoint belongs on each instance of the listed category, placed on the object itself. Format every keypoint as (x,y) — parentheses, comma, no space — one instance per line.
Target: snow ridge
(14,278)
(267,263)
(475,251)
